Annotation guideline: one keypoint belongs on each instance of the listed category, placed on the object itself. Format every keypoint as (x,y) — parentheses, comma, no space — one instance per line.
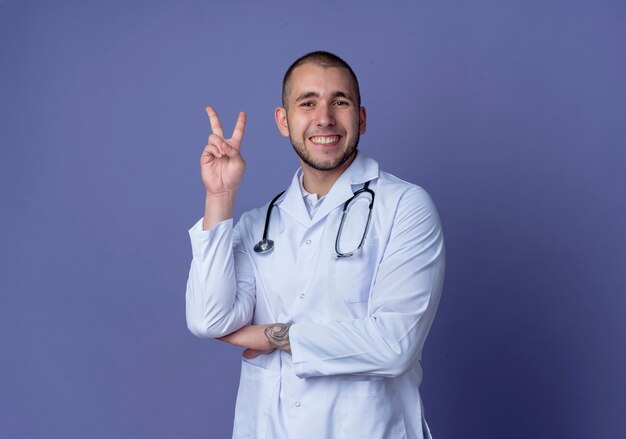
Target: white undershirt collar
(311,201)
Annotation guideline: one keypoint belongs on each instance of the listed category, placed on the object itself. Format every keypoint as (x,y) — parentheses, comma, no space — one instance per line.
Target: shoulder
(251,222)
(252,216)
(403,194)
(408,210)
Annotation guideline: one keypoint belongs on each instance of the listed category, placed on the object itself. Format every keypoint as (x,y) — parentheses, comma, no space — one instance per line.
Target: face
(322,118)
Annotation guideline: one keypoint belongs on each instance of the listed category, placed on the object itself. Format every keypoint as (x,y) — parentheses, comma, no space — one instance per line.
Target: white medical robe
(359,323)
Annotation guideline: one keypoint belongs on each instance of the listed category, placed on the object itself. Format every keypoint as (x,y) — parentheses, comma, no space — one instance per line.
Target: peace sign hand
(221,164)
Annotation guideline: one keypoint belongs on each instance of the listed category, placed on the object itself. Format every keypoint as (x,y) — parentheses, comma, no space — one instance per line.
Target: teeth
(325,140)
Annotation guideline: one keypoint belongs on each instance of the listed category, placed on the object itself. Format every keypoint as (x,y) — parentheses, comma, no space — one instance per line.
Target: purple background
(511,114)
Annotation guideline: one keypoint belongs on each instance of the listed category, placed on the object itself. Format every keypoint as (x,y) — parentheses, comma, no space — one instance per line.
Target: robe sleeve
(220,295)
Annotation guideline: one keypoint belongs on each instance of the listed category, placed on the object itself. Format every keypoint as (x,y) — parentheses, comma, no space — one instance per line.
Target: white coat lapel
(339,194)
(361,170)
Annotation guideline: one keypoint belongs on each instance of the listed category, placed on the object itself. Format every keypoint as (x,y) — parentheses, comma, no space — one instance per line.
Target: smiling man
(332,132)
(331,288)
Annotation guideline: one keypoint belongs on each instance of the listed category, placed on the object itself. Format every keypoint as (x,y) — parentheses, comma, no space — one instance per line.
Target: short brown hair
(322,59)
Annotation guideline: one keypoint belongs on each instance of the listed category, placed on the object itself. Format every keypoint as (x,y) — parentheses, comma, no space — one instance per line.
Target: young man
(332,287)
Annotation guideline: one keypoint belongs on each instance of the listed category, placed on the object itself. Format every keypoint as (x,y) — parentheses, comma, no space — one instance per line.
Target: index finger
(239,127)
(216,126)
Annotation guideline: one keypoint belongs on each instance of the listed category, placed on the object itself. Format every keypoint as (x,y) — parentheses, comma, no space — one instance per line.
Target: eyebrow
(312,94)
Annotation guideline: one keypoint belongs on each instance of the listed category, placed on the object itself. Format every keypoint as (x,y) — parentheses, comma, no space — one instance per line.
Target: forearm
(260,339)
(277,336)
(357,347)
(387,342)
(217,208)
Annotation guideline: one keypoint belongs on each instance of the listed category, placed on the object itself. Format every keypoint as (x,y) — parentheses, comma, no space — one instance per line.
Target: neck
(321,182)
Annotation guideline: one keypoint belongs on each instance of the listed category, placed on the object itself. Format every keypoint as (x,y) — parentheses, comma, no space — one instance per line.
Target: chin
(329,164)
(324,163)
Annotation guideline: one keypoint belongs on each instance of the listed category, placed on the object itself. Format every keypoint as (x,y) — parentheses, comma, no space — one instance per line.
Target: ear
(280,115)
(362,120)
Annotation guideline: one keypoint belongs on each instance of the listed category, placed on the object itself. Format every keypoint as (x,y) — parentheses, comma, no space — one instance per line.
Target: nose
(325,115)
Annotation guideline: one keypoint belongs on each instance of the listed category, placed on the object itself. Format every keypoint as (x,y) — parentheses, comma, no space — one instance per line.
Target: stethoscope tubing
(343,219)
(266,245)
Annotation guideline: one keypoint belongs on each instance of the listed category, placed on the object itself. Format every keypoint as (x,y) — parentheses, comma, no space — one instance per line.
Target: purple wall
(511,114)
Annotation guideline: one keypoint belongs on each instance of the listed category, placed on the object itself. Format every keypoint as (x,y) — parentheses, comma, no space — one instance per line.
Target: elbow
(206,322)
(397,364)
(399,358)
(215,322)
(201,331)
(204,329)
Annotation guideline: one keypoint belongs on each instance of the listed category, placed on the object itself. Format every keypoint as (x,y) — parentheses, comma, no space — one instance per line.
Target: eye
(306,104)
(341,103)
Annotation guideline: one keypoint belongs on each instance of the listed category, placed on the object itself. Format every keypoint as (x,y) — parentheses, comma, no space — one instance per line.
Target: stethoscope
(267,245)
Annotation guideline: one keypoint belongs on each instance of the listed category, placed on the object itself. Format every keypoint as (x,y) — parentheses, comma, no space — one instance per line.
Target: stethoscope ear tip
(264,246)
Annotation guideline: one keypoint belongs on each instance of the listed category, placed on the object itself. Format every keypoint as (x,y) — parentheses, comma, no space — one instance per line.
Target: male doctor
(332,288)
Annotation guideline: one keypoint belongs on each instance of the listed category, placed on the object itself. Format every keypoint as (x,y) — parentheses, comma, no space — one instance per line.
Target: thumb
(229,150)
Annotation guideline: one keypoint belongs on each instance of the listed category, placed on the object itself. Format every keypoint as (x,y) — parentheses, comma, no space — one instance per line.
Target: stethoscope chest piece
(267,245)
(264,246)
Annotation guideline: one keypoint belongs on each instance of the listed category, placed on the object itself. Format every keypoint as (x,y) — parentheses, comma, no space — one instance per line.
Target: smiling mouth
(325,140)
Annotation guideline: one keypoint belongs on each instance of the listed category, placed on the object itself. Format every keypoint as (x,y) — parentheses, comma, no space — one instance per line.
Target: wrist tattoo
(278,336)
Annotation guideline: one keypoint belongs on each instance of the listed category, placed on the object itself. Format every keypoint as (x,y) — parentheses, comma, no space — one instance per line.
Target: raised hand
(221,164)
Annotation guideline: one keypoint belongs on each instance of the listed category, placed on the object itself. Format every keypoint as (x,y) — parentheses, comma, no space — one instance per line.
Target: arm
(260,339)
(220,294)
(218,300)
(402,306)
